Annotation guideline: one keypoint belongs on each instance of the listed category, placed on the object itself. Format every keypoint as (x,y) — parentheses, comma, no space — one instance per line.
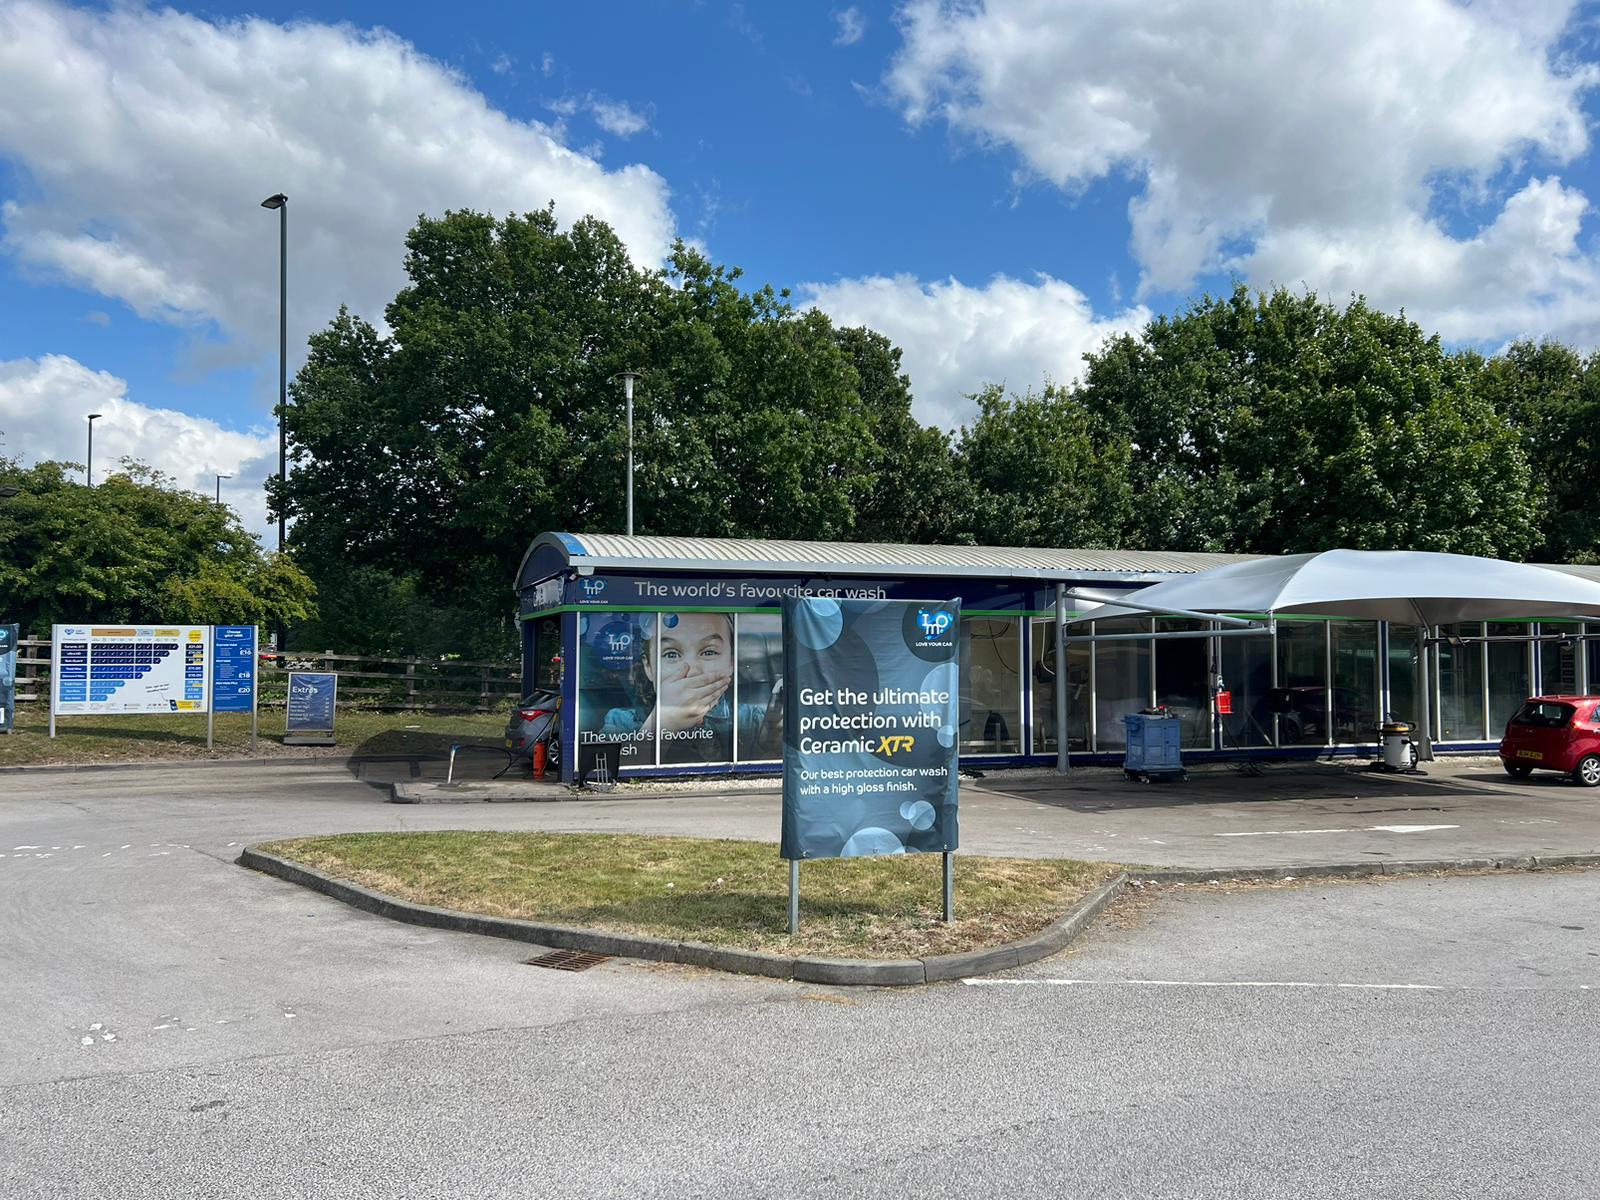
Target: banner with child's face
(681,688)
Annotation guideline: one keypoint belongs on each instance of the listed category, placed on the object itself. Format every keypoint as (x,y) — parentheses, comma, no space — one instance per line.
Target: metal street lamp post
(281,202)
(628,379)
(88,466)
(220,478)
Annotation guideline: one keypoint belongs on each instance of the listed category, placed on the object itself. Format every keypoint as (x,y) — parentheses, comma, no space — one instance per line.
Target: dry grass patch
(725,893)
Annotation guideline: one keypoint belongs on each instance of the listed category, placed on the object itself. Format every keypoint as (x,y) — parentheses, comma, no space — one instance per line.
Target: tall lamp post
(220,478)
(281,202)
(88,466)
(628,379)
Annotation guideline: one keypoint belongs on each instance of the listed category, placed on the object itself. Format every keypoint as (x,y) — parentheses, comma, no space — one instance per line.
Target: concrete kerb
(866,972)
(854,972)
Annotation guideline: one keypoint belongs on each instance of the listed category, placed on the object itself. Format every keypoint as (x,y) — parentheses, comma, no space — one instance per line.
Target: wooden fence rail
(407,683)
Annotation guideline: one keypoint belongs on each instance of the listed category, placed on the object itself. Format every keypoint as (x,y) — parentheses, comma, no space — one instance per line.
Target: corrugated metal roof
(1590,571)
(879,558)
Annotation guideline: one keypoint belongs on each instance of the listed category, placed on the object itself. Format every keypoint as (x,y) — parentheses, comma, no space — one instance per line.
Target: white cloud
(1295,143)
(955,338)
(43,406)
(852,25)
(616,117)
(149,138)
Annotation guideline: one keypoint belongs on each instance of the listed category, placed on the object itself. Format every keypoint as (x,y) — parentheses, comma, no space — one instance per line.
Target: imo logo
(619,642)
(593,587)
(935,623)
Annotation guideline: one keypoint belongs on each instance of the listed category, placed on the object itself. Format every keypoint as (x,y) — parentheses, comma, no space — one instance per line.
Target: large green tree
(1552,397)
(131,549)
(491,410)
(1280,423)
(1045,471)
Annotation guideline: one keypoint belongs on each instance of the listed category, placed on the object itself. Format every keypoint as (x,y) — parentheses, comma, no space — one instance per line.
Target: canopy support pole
(1063,759)
(1425,690)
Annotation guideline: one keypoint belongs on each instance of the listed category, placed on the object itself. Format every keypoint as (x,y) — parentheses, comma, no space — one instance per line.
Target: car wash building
(667,653)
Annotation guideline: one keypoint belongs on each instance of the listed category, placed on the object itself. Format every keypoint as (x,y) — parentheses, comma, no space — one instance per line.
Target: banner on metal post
(9,635)
(871,727)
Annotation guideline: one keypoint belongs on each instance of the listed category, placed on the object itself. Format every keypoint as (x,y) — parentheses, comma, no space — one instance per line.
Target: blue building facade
(666,653)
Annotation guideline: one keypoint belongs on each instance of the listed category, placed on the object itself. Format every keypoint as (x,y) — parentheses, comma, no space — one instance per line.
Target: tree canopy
(427,456)
(133,549)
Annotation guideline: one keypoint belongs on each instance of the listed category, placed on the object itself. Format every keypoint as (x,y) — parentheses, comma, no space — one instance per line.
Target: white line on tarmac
(1243,983)
(1353,829)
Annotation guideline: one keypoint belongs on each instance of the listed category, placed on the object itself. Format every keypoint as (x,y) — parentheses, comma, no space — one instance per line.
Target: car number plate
(1530,754)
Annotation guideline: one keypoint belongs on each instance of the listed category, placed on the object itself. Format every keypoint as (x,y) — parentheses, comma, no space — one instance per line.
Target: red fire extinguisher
(539,755)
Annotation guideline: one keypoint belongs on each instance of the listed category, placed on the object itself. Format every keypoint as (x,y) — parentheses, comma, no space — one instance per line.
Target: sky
(997,186)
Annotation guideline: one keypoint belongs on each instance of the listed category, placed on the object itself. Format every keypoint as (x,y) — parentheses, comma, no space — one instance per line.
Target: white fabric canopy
(1413,587)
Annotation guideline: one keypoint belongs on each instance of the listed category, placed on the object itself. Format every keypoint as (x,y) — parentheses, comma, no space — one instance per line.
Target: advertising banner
(870,727)
(308,718)
(233,665)
(9,635)
(129,669)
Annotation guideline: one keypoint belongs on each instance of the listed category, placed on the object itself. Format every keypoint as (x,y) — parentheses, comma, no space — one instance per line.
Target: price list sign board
(129,669)
(233,666)
(308,716)
(8,675)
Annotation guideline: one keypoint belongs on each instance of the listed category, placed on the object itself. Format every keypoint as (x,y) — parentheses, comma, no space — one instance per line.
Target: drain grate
(568,960)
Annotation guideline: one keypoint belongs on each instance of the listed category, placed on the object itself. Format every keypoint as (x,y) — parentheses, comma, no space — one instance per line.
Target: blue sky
(996,186)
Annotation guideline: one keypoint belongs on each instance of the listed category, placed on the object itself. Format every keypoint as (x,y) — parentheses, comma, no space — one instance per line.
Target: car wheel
(1518,770)
(1587,772)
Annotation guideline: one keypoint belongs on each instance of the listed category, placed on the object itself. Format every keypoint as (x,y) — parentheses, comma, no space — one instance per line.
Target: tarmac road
(176,1027)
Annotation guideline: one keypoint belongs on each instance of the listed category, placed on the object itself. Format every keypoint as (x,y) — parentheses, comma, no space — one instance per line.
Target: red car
(1554,733)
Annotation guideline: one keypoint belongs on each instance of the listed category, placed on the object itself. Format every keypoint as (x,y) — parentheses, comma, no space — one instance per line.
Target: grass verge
(158,737)
(726,893)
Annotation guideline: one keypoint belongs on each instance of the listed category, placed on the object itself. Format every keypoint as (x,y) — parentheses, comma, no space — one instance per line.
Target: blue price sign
(310,707)
(233,667)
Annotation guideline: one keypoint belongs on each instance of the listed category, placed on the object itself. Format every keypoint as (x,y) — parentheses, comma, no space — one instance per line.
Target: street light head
(94,416)
(275,201)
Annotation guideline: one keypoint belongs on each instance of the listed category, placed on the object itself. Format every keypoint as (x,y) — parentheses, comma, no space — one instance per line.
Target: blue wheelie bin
(1154,747)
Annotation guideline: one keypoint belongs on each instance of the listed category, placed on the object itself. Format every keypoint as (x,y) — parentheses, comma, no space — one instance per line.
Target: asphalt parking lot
(178,1027)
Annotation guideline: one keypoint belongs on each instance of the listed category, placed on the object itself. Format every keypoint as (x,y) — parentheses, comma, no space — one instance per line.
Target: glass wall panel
(1303,677)
(760,687)
(547,653)
(1044,688)
(1461,715)
(1246,669)
(1558,661)
(1509,675)
(1121,680)
(1181,665)
(1355,681)
(1403,696)
(991,685)
(616,692)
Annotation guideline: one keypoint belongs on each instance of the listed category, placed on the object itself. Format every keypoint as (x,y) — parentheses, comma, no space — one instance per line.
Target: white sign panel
(130,669)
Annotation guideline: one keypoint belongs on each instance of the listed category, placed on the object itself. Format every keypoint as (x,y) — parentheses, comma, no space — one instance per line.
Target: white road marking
(1210,983)
(1352,829)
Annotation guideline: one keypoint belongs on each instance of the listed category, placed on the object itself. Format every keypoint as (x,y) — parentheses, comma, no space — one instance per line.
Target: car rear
(1539,736)
(531,722)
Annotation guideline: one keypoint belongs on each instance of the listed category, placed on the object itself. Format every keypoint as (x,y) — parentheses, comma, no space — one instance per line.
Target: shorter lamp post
(629,378)
(220,478)
(88,466)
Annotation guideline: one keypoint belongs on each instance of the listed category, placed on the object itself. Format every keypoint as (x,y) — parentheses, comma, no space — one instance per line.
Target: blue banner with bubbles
(8,675)
(871,732)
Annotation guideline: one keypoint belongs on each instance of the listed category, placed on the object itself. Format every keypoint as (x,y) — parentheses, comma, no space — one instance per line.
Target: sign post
(308,715)
(871,732)
(9,636)
(233,672)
